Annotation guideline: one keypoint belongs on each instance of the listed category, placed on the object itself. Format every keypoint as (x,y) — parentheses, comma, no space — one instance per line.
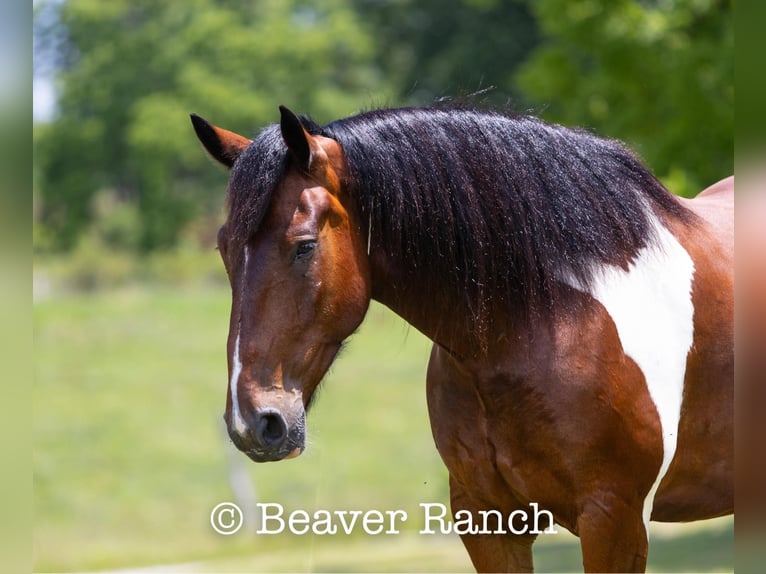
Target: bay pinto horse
(581,315)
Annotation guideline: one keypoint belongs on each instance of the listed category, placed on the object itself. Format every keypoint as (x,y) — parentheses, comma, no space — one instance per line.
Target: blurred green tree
(445,48)
(129,73)
(656,73)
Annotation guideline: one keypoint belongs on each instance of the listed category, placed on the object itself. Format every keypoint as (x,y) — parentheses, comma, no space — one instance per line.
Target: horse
(581,315)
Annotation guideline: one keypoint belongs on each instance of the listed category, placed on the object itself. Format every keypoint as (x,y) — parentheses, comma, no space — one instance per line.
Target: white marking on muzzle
(652,309)
(236,368)
(236,417)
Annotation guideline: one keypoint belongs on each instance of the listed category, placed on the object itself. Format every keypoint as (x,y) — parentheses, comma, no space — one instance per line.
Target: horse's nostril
(270,428)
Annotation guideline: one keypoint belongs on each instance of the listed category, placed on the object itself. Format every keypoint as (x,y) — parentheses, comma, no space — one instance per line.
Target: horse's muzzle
(271,435)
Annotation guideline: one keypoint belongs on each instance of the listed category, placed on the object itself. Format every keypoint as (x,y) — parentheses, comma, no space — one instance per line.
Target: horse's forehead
(288,199)
(289,193)
(327,173)
(260,202)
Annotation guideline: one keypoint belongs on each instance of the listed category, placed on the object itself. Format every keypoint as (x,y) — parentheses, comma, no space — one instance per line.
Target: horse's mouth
(258,455)
(295,454)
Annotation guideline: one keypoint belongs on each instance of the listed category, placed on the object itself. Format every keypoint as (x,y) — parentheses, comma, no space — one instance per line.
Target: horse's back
(715,206)
(723,188)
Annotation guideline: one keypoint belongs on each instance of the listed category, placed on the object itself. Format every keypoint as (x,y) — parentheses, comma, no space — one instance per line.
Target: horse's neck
(428,312)
(440,319)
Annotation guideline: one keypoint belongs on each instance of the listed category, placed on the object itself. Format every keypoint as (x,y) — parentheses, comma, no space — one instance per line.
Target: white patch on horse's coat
(236,368)
(652,309)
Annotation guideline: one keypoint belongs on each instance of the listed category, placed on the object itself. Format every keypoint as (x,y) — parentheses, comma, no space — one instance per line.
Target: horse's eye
(305,249)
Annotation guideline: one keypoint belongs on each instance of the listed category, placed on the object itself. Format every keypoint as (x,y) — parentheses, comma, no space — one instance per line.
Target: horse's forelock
(254,177)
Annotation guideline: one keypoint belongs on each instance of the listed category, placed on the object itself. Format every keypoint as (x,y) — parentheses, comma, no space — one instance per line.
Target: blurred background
(131,302)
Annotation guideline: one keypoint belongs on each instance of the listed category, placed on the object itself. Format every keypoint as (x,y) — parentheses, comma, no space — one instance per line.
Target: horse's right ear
(296,138)
(223,145)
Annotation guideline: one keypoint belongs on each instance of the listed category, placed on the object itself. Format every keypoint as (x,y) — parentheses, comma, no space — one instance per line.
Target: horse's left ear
(223,145)
(297,139)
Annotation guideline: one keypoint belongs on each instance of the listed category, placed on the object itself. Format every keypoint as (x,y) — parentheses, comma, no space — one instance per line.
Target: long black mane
(484,211)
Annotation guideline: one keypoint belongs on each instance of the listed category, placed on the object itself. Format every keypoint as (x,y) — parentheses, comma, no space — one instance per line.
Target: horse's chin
(310,390)
(295,453)
(260,456)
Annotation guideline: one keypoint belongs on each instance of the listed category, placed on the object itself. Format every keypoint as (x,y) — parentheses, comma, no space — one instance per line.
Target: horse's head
(300,286)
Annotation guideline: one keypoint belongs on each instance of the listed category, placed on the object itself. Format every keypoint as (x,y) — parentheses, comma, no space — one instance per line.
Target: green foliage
(658,74)
(444,48)
(92,266)
(132,70)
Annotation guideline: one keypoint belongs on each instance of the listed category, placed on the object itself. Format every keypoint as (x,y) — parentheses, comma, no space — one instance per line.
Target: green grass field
(130,455)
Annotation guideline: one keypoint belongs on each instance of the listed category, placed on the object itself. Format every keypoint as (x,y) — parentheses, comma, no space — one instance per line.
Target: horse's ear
(296,138)
(223,145)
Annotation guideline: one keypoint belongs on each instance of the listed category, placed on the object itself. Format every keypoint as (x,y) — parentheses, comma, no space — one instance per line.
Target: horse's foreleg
(492,552)
(612,537)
